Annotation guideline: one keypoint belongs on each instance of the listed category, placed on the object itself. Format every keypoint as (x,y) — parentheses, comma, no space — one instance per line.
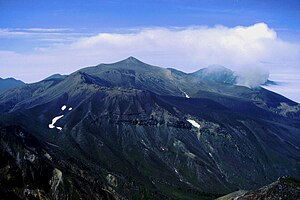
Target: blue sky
(111,15)
(38,38)
(91,17)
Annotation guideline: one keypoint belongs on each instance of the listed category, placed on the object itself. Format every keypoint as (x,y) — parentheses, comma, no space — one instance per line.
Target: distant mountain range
(130,130)
(8,83)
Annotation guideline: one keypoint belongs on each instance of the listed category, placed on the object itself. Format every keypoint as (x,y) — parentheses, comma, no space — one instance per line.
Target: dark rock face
(30,170)
(125,134)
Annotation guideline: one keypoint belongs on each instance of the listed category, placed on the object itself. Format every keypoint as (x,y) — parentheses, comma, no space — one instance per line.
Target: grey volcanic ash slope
(149,132)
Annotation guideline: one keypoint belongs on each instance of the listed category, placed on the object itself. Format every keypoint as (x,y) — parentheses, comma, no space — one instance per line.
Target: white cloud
(32,31)
(55,35)
(44,29)
(288,85)
(239,48)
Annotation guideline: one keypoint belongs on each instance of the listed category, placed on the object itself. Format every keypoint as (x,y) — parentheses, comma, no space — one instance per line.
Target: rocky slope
(285,188)
(149,132)
(31,169)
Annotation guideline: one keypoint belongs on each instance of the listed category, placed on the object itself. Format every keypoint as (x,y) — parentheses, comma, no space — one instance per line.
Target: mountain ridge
(8,83)
(130,128)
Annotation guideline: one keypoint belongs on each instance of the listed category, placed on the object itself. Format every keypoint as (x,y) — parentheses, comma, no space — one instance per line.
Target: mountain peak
(131,59)
(55,76)
(217,68)
(132,63)
(217,73)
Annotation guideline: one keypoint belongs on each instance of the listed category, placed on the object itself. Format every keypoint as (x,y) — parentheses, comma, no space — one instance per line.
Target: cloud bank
(288,85)
(252,51)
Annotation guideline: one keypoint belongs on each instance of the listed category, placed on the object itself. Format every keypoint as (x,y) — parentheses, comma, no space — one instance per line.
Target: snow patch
(54,120)
(176,171)
(237,148)
(63,107)
(194,123)
(178,174)
(186,95)
(210,154)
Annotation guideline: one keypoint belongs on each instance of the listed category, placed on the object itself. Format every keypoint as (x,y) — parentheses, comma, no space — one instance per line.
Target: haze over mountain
(133,130)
